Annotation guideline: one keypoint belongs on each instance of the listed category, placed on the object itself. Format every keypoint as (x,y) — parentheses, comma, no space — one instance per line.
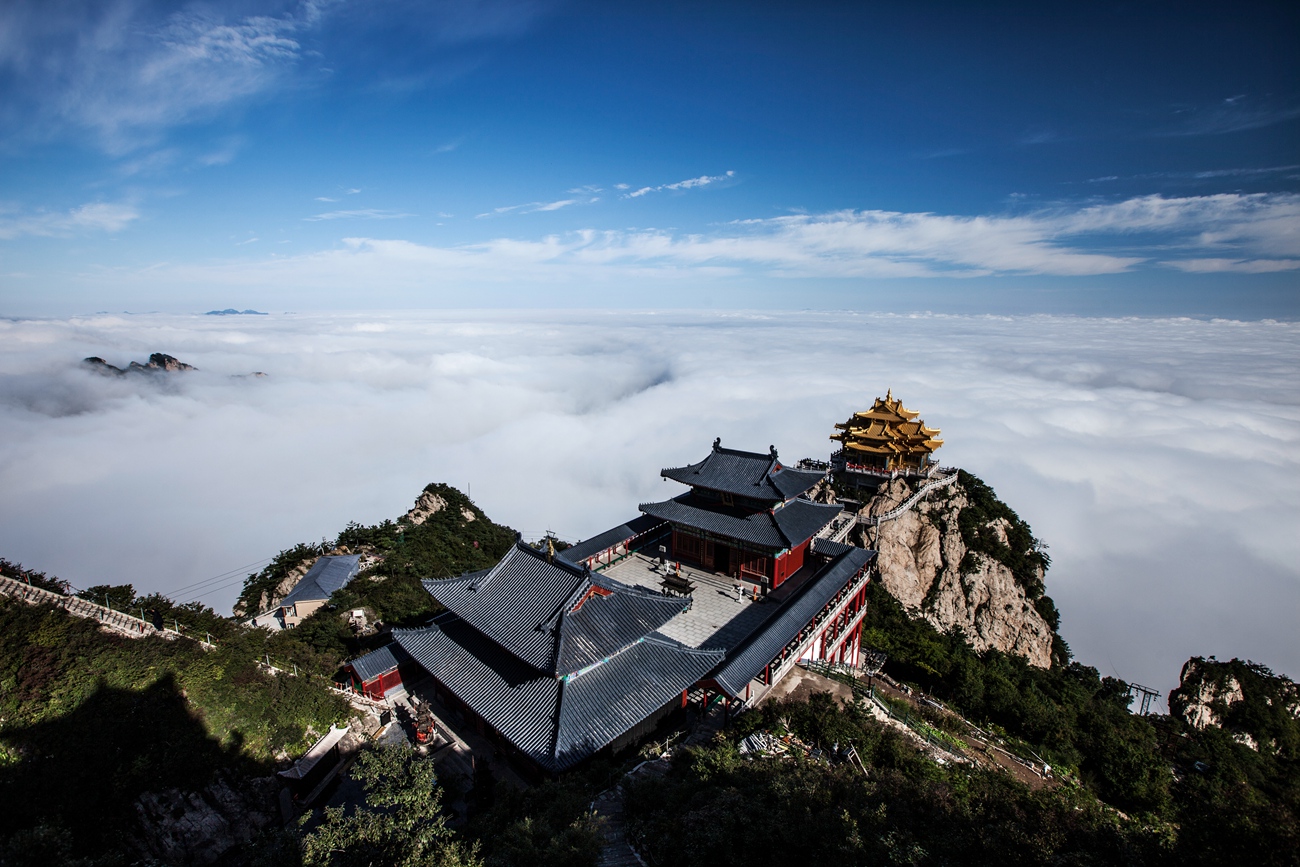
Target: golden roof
(888,428)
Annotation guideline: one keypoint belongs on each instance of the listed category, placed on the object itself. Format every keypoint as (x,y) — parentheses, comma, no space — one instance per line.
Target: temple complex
(743,516)
(712,595)
(887,438)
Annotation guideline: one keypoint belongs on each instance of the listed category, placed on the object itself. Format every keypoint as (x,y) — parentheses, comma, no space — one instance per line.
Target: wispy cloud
(223,154)
(533,207)
(1208,174)
(1234,114)
(688,184)
(1245,233)
(92,217)
(351,191)
(120,70)
(360,214)
(1238,266)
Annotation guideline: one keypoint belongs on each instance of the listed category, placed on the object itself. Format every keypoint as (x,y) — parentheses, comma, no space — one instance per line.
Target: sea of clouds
(1160,459)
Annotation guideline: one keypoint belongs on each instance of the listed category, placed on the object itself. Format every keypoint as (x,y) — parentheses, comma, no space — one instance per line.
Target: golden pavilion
(886,438)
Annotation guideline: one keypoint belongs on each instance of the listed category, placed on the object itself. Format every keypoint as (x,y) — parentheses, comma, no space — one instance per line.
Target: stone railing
(112,619)
(903,507)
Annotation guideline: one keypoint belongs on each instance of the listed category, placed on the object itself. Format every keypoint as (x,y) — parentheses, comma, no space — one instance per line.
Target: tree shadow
(83,771)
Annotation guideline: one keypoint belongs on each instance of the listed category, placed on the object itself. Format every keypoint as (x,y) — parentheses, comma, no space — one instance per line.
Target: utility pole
(1146,693)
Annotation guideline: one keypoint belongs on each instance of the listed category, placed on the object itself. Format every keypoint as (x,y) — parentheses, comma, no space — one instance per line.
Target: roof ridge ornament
(717,443)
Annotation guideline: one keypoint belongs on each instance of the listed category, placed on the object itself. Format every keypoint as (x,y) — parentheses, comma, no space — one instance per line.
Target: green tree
(401,824)
(119,597)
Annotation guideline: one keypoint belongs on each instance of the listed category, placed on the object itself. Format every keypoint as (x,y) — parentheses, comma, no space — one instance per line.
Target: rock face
(268,600)
(1259,708)
(428,505)
(159,362)
(925,563)
(188,827)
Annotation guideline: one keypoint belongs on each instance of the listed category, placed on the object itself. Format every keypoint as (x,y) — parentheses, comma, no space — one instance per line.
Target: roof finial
(717,443)
(889,395)
(772,450)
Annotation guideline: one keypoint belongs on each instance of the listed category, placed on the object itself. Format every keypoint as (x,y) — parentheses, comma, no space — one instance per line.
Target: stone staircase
(118,622)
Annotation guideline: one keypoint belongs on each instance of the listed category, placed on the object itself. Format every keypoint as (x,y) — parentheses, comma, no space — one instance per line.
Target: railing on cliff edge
(901,509)
(118,621)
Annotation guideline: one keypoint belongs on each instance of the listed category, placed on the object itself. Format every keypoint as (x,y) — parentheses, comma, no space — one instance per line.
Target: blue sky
(1100,159)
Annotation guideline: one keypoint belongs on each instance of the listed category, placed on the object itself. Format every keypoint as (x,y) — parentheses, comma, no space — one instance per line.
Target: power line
(227,574)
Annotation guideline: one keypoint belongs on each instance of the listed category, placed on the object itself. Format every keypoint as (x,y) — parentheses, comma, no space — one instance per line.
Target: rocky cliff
(964,561)
(1257,707)
(159,362)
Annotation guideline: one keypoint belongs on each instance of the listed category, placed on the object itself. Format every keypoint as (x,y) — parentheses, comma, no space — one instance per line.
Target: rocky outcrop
(1205,701)
(198,827)
(926,564)
(426,506)
(1258,707)
(430,504)
(159,362)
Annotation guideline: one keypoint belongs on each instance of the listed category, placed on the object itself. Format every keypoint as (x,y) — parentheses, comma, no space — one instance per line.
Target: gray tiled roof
(556,722)
(325,576)
(744,474)
(800,520)
(526,604)
(378,662)
(605,625)
(600,705)
(608,539)
(790,526)
(749,658)
(515,603)
(512,696)
(831,548)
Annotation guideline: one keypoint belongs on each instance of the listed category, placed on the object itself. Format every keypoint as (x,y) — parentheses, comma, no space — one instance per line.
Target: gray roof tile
(608,539)
(556,722)
(790,526)
(378,662)
(744,474)
(325,576)
(555,616)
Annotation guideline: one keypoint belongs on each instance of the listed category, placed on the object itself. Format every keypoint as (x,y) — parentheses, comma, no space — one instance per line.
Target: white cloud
(530,208)
(1255,232)
(91,217)
(1239,266)
(1159,458)
(126,71)
(688,184)
(361,214)
(224,154)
